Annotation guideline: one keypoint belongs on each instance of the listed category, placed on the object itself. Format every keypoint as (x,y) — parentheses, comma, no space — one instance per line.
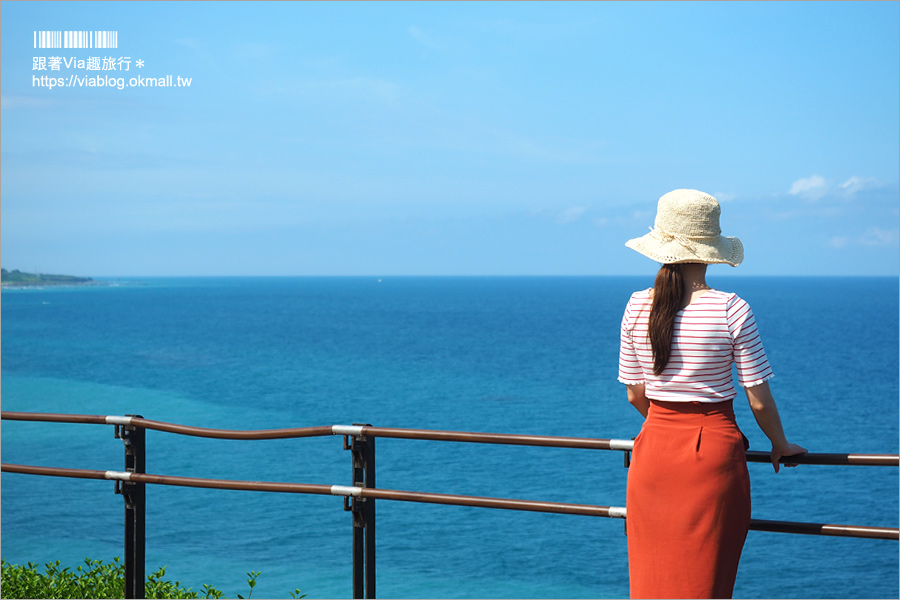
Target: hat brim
(721,250)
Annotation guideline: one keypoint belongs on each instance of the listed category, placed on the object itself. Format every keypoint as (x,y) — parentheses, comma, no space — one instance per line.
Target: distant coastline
(17,278)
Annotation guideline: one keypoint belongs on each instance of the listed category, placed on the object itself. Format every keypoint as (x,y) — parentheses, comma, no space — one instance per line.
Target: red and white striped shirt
(712,333)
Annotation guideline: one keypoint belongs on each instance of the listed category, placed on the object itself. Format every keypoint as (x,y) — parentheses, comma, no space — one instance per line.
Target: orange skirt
(688,502)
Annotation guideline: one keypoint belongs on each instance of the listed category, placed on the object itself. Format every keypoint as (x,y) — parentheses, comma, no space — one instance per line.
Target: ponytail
(668,292)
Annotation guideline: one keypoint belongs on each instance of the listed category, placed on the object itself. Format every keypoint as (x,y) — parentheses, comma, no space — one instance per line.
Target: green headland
(17,278)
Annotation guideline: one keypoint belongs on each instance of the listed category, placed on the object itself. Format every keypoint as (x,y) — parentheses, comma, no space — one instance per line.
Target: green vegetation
(96,579)
(17,277)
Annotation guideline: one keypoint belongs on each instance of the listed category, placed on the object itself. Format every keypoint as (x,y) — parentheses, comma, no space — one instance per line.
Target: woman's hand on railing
(787,450)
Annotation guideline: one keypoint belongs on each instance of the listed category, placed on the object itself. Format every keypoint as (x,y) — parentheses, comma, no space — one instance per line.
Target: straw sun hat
(687,231)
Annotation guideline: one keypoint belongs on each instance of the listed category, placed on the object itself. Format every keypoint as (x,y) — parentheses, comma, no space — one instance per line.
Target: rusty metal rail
(359,498)
(810,458)
(135,421)
(591,510)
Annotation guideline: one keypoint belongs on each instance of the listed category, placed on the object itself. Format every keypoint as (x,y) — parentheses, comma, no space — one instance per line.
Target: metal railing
(359,498)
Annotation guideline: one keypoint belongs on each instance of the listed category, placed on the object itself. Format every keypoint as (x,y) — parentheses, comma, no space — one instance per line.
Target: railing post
(135,505)
(363,455)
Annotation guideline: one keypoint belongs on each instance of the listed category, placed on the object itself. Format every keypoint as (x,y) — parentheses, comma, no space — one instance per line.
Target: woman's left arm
(762,403)
(638,398)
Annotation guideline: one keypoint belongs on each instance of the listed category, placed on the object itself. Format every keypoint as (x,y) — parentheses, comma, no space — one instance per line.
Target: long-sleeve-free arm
(762,403)
(638,398)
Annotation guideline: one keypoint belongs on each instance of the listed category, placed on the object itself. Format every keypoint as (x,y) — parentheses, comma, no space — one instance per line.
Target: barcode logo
(76,39)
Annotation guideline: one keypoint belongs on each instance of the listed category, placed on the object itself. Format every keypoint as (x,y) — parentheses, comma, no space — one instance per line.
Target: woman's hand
(787,450)
(766,413)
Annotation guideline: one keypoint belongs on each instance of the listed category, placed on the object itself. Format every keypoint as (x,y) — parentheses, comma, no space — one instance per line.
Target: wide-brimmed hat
(687,230)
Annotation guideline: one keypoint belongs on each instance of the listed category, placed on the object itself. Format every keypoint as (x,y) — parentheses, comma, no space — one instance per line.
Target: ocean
(529,355)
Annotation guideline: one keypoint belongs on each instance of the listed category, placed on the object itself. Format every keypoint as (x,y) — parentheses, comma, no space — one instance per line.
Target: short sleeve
(749,355)
(630,372)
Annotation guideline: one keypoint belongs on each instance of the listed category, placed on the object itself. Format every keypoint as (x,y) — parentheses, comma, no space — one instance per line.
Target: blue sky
(448,138)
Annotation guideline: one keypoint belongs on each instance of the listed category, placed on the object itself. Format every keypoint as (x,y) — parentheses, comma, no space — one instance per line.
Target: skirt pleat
(688,502)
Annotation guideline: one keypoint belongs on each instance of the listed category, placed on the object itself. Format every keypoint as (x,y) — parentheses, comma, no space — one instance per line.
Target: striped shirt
(712,333)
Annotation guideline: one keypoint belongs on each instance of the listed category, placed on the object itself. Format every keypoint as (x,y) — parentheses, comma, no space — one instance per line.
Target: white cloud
(874,237)
(813,187)
(856,184)
(880,237)
(724,196)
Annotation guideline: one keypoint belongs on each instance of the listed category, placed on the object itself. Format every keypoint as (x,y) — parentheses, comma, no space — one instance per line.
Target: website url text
(99,81)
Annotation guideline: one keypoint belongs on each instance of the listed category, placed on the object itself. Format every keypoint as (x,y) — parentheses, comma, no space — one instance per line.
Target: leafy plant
(252,582)
(96,579)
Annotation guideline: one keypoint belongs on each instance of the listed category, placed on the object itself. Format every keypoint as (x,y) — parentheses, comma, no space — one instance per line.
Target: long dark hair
(668,292)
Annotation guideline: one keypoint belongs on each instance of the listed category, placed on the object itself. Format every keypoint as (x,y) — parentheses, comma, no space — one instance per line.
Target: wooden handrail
(810,458)
(827,529)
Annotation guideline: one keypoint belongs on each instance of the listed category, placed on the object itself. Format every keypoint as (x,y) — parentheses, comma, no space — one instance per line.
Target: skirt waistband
(694,408)
(692,414)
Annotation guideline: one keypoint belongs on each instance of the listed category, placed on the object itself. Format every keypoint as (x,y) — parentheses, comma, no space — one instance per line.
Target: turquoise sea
(531,355)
